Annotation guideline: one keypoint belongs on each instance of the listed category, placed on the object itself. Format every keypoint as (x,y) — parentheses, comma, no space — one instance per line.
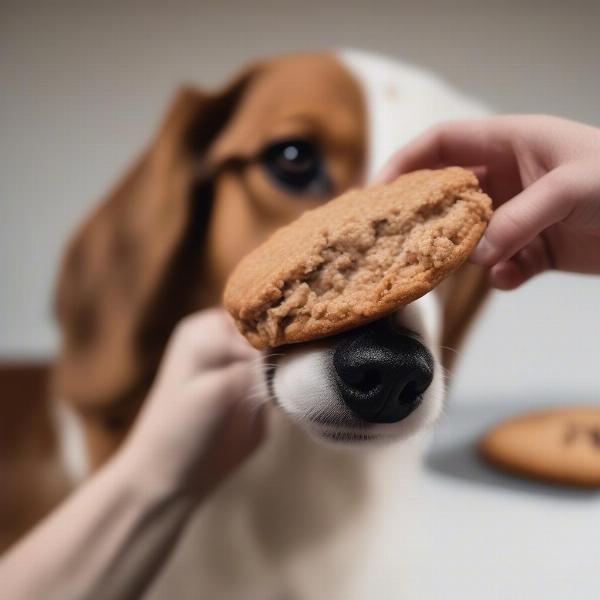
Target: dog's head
(377,383)
(224,170)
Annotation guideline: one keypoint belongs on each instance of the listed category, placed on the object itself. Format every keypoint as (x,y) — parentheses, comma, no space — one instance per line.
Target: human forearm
(111,537)
(107,541)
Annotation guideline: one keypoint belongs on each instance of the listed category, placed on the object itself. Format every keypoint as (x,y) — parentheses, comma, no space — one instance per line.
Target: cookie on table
(358,257)
(560,445)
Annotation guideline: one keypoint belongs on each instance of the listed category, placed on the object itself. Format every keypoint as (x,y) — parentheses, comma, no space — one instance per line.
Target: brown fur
(162,244)
(164,241)
(466,291)
(32,478)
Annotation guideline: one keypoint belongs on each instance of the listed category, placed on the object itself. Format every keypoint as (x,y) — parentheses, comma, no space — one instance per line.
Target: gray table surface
(491,535)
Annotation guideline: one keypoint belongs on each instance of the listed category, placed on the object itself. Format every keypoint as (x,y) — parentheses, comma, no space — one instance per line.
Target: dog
(311,514)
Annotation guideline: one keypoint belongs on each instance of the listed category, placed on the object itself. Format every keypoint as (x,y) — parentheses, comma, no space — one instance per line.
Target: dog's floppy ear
(131,271)
(462,295)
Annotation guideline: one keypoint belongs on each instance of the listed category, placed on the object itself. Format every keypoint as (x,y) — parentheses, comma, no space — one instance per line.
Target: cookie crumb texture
(357,258)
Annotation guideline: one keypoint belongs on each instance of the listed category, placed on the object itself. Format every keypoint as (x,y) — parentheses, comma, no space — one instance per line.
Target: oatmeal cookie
(357,258)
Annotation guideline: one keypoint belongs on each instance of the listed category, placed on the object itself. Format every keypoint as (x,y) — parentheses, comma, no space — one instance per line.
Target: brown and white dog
(312,514)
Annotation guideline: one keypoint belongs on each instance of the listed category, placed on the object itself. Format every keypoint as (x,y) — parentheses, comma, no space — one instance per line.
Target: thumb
(520,220)
(533,259)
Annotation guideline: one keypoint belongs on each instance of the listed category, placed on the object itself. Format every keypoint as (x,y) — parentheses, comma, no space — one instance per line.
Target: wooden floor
(32,481)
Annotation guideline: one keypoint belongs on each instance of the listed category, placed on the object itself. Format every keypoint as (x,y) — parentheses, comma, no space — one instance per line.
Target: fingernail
(483,253)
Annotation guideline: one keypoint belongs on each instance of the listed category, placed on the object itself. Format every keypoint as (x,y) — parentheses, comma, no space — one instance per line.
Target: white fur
(305,389)
(307,519)
(402,101)
(71,442)
(304,519)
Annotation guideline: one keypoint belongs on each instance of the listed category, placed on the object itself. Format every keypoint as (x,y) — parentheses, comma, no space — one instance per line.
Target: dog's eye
(297,166)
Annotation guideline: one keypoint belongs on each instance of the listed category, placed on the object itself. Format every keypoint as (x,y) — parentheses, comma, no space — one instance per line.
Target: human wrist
(148,479)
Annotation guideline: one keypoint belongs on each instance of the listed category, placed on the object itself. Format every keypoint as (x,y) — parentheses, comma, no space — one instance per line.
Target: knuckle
(177,336)
(563,188)
(529,262)
(556,182)
(181,333)
(436,134)
(228,381)
(435,139)
(506,225)
(210,322)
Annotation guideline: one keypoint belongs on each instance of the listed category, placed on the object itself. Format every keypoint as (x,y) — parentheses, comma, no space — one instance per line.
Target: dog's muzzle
(382,373)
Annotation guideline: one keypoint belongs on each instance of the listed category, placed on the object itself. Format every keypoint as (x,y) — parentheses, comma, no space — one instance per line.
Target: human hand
(198,424)
(204,414)
(543,174)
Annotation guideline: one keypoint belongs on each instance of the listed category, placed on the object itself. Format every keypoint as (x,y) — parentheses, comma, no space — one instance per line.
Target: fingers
(245,427)
(462,143)
(199,429)
(517,223)
(224,386)
(229,401)
(528,262)
(506,276)
(202,341)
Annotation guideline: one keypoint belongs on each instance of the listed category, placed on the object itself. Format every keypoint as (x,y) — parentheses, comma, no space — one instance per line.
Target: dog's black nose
(382,373)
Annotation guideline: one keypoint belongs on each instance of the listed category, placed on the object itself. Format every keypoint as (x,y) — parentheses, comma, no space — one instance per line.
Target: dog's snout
(381,373)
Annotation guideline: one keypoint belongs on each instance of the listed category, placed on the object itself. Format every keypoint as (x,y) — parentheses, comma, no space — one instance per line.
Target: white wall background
(82,86)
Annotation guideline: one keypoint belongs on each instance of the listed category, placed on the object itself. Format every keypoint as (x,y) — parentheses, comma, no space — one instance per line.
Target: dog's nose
(382,373)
